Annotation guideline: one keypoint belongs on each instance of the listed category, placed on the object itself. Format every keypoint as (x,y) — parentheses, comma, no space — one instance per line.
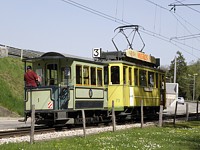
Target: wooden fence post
(197,109)
(113,117)
(142,117)
(32,124)
(84,126)
(187,112)
(175,113)
(161,116)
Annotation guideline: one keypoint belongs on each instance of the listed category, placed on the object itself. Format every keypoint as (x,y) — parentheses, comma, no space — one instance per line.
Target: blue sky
(56,25)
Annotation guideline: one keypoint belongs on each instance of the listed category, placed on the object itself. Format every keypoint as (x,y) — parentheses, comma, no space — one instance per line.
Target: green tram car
(70,84)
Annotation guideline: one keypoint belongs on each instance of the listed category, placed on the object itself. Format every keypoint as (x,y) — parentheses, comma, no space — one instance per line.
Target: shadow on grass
(189,124)
(193,140)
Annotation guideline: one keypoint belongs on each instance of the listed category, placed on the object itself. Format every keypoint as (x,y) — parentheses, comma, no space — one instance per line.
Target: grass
(11,84)
(185,136)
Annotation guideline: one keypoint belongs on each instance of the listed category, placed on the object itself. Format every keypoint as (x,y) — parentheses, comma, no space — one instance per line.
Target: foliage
(11,84)
(181,74)
(185,77)
(184,136)
(194,68)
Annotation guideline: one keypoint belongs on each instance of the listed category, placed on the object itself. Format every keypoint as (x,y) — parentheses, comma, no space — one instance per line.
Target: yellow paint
(115,94)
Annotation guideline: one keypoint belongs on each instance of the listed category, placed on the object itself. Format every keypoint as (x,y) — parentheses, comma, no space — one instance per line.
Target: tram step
(58,119)
(124,114)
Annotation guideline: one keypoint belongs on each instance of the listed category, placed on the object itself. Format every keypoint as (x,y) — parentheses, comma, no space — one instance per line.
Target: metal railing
(23,53)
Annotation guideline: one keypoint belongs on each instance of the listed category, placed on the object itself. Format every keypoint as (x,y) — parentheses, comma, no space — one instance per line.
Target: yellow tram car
(134,76)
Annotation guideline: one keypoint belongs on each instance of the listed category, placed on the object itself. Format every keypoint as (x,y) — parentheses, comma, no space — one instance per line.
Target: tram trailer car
(70,84)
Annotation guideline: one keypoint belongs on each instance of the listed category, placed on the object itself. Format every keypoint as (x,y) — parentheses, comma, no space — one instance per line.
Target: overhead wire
(188,5)
(122,22)
(116,10)
(187,37)
(98,13)
(174,16)
(178,21)
(185,21)
(166,39)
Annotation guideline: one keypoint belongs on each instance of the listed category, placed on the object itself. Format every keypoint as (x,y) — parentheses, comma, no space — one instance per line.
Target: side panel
(40,98)
(82,93)
(126,95)
(150,98)
(115,94)
(71,100)
(89,98)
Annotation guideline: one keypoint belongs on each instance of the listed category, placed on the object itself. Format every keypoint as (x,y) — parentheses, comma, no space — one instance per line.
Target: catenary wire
(122,22)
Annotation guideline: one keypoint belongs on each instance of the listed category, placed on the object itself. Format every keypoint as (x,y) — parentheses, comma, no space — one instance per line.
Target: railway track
(25,131)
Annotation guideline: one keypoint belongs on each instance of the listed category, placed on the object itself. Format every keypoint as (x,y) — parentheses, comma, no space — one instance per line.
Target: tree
(194,68)
(181,74)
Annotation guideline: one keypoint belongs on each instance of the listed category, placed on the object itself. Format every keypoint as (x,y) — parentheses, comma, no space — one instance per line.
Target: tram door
(64,89)
(127,73)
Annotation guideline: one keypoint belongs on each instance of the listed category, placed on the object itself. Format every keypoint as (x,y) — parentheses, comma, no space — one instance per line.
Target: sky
(76,27)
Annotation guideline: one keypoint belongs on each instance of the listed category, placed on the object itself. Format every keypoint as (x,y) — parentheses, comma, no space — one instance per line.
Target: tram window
(157,80)
(115,74)
(93,75)
(78,74)
(99,77)
(124,75)
(40,74)
(52,74)
(143,79)
(151,79)
(65,75)
(106,75)
(86,75)
(130,76)
(136,76)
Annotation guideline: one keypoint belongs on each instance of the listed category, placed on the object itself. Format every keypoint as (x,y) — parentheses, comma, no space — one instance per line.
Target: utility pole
(175,69)
(193,97)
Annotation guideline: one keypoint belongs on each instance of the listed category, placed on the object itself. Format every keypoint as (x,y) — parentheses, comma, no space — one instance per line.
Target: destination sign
(141,56)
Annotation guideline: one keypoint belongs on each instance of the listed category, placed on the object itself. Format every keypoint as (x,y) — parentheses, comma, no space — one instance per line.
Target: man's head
(28,67)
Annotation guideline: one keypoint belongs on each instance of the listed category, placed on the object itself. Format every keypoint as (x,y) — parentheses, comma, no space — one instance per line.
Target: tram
(70,84)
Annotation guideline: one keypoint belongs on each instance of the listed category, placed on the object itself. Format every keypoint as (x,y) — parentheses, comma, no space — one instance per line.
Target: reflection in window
(115,74)
(52,74)
(143,78)
(99,77)
(86,75)
(65,73)
(78,74)
(93,75)
(136,76)
(151,79)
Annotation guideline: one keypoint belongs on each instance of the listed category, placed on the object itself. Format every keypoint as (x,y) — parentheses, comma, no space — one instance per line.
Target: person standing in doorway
(30,77)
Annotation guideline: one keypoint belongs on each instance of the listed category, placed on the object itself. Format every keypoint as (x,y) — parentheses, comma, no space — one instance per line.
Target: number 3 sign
(97,52)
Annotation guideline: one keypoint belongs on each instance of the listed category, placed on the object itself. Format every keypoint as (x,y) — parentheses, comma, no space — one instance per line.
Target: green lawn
(185,136)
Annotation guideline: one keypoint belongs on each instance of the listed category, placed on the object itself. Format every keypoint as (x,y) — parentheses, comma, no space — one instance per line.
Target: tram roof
(131,56)
(56,55)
